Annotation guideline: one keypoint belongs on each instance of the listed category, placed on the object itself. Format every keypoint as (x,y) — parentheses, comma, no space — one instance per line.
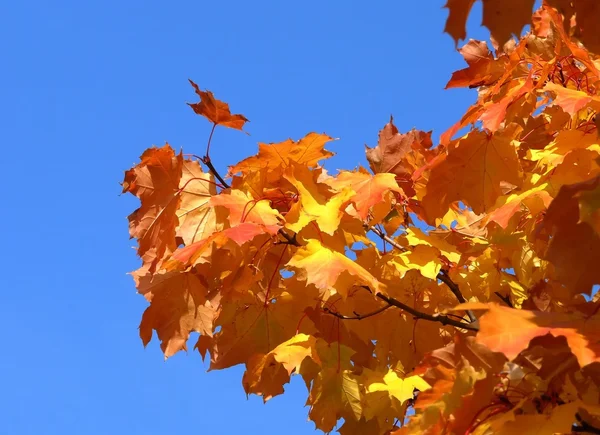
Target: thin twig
(441,318)
(356,316)
(290,240)
(505,299)
(388,239)
(213,170)
(583,427)
(443,276)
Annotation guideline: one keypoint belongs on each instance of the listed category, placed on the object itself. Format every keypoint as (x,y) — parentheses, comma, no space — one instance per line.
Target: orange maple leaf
(179,304)
(155,180)
(473,171)
(216,111)
(308,151)
(508,330)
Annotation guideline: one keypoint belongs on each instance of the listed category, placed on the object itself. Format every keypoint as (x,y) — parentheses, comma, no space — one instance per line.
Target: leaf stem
(209,141)
(206,160)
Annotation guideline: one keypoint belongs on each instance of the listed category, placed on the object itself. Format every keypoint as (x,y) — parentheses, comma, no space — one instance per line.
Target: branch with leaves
(242,263)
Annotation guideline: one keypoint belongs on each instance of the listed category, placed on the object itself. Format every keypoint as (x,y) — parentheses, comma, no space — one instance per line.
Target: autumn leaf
(307,151)
(457,18)
(483,69)
(571,100)
(503,18)
(368,191)
(179,304)
(216,111)
(575,245)
(473,171)
(155,180)
(507,330)
(244,208)
(196,217)
(266,374)
(401,389)
(316,203)
(334,395)
(330,270)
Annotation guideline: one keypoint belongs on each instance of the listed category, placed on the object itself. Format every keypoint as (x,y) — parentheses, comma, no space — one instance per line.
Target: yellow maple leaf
(401,389)
(326,269)
(316,203)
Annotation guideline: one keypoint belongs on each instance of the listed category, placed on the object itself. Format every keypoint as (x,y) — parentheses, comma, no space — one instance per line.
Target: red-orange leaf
(473,171)
(307,151)
(509,330)
(216,111)
(155,180)
(178,306)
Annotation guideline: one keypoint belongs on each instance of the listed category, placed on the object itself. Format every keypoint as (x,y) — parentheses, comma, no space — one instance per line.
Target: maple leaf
(401,389)
(216,111)
(330,270)
(250,327)
(587,15)
(575,245)
(308,151)
(511,204)
(473,171)
(244,208)
(155,180)
(503,18)
(316,203)
(507,330)
(401,154)
(483,69)
(423,258)
(506,18)
(571,100)
(266,374)
(369,191)
(458,11)
(416,237)
(179,304)
(334,395)
(197,220)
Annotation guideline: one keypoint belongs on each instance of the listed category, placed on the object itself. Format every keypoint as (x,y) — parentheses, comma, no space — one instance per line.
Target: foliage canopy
(454,280)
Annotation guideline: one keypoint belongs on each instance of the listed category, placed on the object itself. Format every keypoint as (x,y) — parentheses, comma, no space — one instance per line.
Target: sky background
(85,88)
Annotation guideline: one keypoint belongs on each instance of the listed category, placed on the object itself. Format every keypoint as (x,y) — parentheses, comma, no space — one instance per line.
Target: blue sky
(86,87)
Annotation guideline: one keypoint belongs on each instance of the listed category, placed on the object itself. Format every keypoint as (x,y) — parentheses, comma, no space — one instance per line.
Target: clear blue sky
(86,87)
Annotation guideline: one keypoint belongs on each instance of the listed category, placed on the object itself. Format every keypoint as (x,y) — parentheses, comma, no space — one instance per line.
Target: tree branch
(356,316)
(583,427)
(442,276)
(208,163)
(290,240)
(213,170)
(444,319)
(441,318)
(505,299)
(387,238)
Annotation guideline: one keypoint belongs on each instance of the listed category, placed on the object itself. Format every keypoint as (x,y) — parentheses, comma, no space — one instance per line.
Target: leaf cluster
(454,280)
